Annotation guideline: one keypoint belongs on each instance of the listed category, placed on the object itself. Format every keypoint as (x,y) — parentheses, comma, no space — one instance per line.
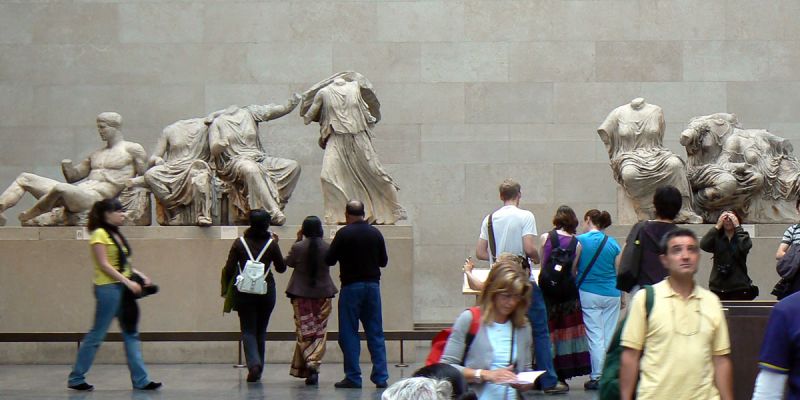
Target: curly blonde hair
(506,276)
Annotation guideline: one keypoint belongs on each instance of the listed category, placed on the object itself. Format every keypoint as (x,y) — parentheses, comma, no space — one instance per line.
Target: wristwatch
(478,375)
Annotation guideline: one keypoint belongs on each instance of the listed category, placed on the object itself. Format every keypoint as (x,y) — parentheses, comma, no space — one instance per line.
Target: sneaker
(593,384)
(559,388)
(381,385)
(83,387)
(346,384)
(151,386)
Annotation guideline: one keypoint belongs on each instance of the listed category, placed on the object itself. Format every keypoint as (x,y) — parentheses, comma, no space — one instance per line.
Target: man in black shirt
(360,250)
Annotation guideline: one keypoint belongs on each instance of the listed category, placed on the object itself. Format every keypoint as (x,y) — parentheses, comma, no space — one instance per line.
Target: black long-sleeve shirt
(360,250)
(237,257)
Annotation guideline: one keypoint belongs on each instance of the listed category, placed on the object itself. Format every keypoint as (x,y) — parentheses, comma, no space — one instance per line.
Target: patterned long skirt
(311,325)
(570,343)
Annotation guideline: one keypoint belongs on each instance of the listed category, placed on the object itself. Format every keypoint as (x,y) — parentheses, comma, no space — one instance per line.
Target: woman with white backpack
(248,267)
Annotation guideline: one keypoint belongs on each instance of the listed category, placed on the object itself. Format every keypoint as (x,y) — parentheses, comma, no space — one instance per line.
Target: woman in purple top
(564,315)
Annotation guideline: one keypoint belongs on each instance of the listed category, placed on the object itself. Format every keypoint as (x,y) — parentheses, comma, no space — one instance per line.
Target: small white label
(228,232)
(333,231)
(82,234)
(558,268)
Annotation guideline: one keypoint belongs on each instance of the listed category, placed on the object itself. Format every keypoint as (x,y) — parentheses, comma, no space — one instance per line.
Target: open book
(524,378)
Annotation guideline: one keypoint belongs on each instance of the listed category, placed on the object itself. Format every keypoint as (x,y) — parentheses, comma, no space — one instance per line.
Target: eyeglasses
(508,296)
(680,328)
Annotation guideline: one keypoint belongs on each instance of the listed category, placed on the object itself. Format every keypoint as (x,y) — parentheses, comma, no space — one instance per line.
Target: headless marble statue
(634,135)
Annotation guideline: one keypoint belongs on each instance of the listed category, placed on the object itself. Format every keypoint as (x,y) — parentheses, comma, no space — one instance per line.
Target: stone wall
(472,91)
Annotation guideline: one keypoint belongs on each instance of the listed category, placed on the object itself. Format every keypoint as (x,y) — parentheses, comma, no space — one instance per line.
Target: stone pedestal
(46,275)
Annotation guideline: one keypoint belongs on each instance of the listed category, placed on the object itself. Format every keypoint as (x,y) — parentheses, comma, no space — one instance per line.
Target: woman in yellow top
(112,273)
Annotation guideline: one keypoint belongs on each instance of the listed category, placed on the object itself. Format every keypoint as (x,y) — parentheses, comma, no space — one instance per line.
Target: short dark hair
(667,201)
(600,219)
(355,208)
(678,232)
(509,189)
(259,224)
(448,373)
(565,219)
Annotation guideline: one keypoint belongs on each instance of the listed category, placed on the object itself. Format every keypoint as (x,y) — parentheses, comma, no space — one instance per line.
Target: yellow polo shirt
(678,343)
(100,236)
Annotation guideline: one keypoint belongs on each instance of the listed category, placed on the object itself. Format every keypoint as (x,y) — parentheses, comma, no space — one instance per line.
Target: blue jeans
(109,299)
(600,315)
(543,348)
(361,301)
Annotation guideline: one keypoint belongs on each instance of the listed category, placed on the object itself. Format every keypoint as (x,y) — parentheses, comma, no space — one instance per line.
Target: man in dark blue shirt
(780,353)
(360,250)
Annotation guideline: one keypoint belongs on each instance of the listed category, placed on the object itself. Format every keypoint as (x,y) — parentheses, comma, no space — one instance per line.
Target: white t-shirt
(510,224)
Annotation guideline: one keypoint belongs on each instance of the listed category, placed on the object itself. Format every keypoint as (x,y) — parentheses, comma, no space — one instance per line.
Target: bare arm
(781,251)
(482,250)
(472,281)
(578,251)
(139,157)
(74,173)
(312,112)
(529,245)
(628,372)
(723,376)
(100,256)
(158,153)
(276,111)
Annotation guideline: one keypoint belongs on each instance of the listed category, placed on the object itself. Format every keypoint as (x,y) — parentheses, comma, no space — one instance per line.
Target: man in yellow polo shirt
(682,350)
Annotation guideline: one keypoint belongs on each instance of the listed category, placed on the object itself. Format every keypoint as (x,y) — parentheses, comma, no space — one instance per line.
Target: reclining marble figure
(750,170)
(634,135)
(100,176)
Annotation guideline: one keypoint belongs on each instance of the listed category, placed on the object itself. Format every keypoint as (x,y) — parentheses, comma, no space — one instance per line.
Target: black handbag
(630,262)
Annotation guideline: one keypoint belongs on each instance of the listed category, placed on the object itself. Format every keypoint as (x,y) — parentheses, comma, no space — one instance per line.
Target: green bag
(609,380)
(227,292)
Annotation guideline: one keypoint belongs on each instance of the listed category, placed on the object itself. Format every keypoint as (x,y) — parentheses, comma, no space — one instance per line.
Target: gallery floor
(201,382)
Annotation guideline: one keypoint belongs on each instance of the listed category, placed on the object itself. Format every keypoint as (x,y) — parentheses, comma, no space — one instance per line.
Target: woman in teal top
(111,252)
(600,299)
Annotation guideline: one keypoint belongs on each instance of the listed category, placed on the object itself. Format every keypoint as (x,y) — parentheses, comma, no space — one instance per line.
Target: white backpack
(251,280)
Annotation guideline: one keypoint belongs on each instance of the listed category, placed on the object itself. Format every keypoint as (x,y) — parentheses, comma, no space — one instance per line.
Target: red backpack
(440,340)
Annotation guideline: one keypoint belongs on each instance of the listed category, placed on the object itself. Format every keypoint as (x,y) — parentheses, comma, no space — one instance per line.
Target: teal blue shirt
(602,279)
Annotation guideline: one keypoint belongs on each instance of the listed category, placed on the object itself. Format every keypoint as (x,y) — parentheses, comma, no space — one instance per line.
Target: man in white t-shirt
(514,231)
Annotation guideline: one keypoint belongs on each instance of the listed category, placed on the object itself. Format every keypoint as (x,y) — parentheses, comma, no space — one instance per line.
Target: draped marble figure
(347,110)
(750,170)
(633,135)
(101,175)
(180,176)
(254,179)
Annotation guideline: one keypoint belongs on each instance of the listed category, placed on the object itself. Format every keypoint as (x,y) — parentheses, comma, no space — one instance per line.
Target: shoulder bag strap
(492,243)
(246,248)
(591,263)
(554,242)
(261,254)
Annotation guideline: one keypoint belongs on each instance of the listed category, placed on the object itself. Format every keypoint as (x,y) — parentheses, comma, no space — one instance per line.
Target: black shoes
(83,387)
(382,385)
(254,374)
(312,379)
(346,384)
(151,386)
(593,384)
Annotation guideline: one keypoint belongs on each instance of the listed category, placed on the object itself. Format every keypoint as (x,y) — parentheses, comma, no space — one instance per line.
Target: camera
(146,290)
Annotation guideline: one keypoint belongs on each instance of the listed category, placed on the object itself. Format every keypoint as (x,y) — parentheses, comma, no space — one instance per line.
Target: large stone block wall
(472,91)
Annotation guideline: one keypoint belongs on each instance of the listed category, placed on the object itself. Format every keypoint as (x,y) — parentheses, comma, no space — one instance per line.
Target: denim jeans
(537,315)
(253,321)
(108,301)
(361,301)
(600,315)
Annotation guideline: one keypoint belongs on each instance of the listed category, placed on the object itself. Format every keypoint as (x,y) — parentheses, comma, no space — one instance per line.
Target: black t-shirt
(360,250)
